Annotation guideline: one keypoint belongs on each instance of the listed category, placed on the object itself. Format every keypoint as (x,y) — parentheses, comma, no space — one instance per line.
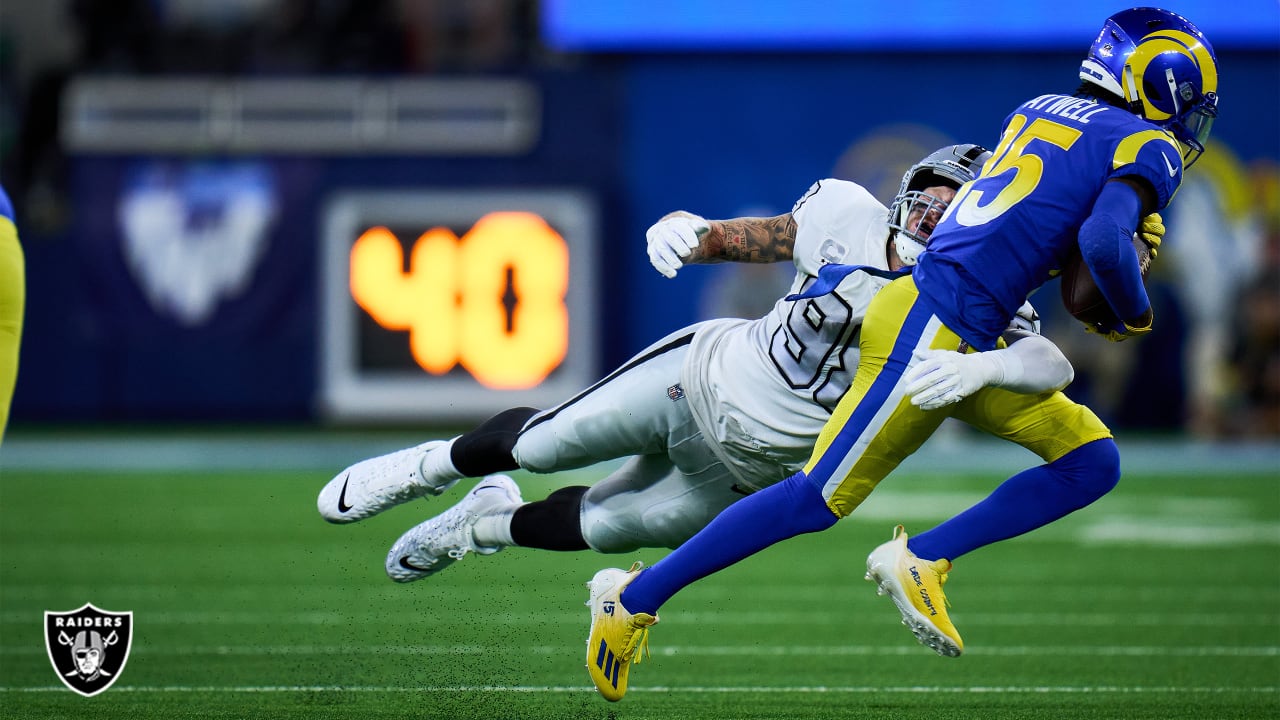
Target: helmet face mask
(1164,68)
(907,220)
(1192,127)
(951,166)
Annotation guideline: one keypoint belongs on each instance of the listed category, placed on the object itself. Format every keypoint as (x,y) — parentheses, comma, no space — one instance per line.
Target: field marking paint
(782,617)
(808,618)
(693,690)
(1251,651)
(1168,531)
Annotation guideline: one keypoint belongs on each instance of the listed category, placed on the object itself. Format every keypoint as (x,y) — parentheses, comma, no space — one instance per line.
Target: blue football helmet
(1164,68)
(952,166)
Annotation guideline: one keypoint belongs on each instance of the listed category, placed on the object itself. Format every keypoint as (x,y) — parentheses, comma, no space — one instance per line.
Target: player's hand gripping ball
(1080,293)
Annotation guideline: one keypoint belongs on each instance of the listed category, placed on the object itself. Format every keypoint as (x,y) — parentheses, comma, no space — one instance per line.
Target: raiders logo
(88,647)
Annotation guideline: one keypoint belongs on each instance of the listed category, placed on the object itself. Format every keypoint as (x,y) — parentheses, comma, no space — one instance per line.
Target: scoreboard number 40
(492,301)
(450,304)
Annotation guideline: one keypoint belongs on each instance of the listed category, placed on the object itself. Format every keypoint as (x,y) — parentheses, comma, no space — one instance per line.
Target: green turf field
(1159,602)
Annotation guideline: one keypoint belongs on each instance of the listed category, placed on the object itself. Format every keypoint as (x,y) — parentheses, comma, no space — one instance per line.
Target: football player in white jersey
(708,414)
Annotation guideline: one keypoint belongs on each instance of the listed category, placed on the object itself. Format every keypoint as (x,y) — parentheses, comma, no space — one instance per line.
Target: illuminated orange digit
(422,300)
(519,348)
(492,301)
(377,284)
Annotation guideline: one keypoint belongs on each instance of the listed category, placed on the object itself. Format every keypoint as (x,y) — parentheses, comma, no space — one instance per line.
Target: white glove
(942,377)
(673,238)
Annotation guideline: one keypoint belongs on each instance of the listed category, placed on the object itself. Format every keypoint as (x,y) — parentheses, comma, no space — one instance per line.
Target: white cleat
(377,484)
(447,538)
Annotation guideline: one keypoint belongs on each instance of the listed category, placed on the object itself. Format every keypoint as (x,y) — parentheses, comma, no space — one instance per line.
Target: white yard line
(907,649)
(724,617)
(691,690)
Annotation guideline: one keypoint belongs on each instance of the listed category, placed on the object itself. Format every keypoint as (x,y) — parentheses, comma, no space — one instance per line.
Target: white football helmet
(953,166)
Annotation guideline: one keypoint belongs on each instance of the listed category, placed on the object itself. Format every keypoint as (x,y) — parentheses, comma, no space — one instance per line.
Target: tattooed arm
(747,240)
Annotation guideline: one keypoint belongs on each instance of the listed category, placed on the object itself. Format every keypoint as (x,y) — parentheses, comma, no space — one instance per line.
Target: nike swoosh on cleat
(342,496)
(404,563)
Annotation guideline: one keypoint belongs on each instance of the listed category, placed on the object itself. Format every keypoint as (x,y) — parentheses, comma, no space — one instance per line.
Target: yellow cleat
(617,636)
(915,585)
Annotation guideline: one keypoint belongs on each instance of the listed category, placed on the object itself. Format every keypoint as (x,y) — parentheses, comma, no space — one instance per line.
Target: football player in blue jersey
(1072,173)
(12,299)
(714,411)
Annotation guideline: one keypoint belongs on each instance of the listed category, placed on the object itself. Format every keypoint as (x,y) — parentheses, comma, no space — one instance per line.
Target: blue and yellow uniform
(1004,235)
(1018,223)
(12,298)
(1069,172)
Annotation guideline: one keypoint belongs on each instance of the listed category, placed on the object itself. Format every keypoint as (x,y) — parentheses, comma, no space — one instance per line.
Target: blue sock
(792,507)
(1031,499)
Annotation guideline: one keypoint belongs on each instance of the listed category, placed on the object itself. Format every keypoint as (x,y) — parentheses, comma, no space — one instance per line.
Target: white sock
(494,529)
(438,466)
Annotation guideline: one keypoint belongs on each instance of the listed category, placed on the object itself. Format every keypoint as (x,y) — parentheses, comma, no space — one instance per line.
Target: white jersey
(715,410)
(761,390)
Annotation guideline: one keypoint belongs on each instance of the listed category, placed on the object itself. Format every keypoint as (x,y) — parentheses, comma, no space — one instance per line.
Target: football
(1080,294)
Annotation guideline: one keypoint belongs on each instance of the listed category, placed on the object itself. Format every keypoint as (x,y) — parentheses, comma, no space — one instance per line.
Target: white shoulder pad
(830,198)
(838,221)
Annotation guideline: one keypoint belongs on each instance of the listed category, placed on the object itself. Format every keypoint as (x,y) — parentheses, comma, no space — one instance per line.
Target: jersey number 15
(969,207)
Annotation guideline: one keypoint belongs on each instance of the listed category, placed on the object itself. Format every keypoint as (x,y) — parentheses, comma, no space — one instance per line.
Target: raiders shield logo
(88,647)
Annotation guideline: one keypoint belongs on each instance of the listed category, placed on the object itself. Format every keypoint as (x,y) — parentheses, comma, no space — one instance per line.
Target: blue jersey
(6,207)
(1014,227)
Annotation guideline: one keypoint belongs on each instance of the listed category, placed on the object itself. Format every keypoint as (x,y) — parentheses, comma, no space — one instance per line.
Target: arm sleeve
(1031,364)
(1106,242)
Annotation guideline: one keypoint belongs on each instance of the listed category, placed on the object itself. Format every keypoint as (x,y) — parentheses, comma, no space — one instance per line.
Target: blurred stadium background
(256,232)
(191,178)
